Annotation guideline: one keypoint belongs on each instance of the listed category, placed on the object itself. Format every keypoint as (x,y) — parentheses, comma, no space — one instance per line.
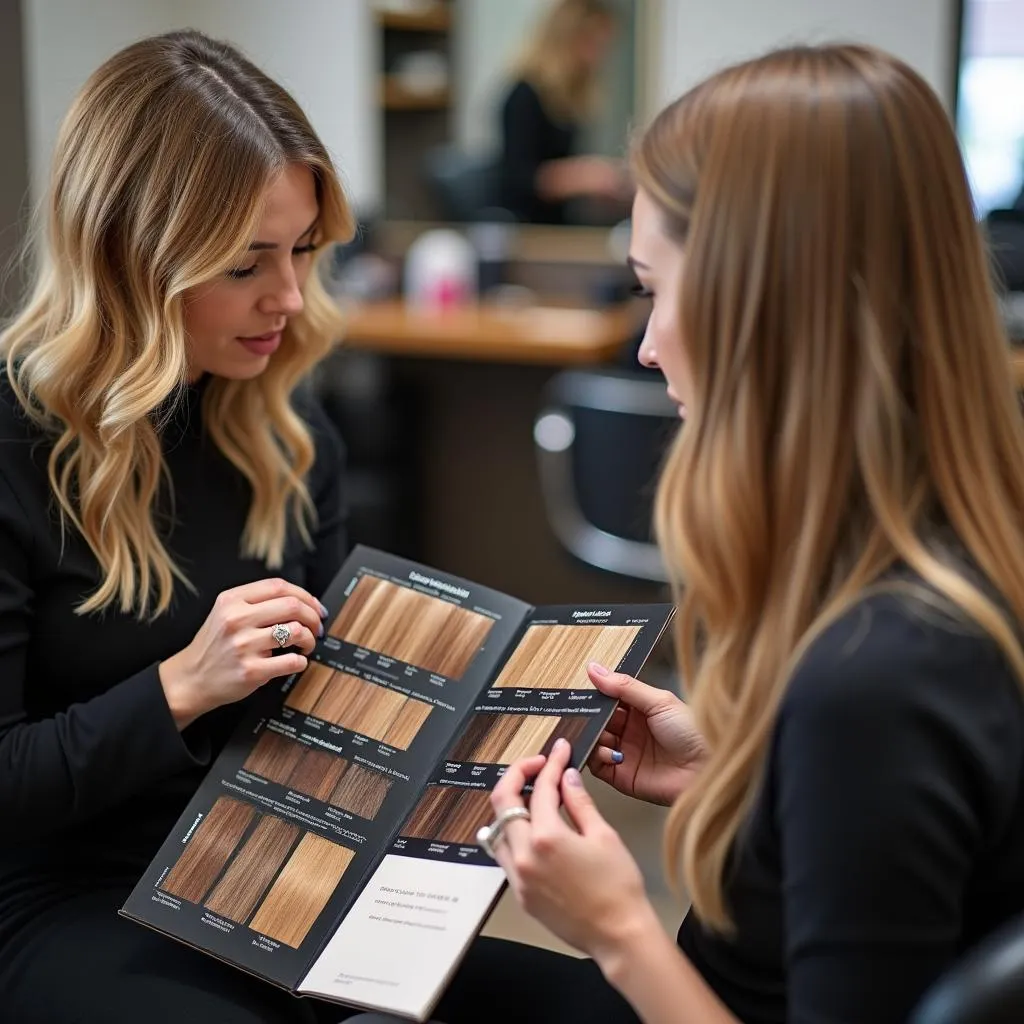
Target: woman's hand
(233,653)
(651,748)
(580,882)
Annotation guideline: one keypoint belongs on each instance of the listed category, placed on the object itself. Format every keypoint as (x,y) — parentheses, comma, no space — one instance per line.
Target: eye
(303,250)
(242,272)
(641,292)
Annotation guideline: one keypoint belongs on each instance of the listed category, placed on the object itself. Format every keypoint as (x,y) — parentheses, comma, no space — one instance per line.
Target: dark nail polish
(323,611)
(321,631)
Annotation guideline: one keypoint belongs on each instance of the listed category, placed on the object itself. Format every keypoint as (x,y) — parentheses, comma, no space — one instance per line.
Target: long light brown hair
(852,397)
(159,172)
(567,86)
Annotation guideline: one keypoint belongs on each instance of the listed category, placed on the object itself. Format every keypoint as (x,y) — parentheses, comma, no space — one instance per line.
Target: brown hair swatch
(450,815)
(412,627)
(503,738)
(306,691)
(206,853)
(274,757)
(556,657)
(317,773)
(302,890)
(252,869)
(361,791)
(372,710)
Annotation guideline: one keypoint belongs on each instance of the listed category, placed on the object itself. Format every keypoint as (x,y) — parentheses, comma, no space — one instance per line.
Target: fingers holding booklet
(333,847)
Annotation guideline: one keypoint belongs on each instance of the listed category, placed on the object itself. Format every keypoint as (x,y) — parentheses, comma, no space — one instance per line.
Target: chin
(243,370)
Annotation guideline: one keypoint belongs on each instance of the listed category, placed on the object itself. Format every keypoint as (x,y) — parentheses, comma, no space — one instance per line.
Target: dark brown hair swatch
(274,757)
(252,869)
(556,657)
(503,738)
(302,890)
(208,850)
(415,628)
(450,815)
(367,708)
(361,791)
(317,773)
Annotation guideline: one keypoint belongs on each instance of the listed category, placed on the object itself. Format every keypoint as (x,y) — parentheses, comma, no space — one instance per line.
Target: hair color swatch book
(331,848)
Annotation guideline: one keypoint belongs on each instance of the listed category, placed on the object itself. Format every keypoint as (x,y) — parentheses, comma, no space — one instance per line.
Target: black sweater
(93,772)
(888,835)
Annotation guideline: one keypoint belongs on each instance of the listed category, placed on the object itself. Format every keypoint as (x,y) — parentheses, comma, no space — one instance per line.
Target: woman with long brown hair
(843,516)
(171,505)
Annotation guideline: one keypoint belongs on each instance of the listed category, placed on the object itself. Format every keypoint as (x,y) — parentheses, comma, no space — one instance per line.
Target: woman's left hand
(582,882)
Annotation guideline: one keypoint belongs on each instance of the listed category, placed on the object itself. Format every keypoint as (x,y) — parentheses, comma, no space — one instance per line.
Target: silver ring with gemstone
(282,634)
(489,835)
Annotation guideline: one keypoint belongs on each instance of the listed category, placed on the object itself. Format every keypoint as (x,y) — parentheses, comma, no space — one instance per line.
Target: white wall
(700,36)
(326,58)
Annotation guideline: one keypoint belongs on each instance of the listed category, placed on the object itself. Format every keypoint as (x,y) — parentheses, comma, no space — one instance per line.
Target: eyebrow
(263,246)
(636,264)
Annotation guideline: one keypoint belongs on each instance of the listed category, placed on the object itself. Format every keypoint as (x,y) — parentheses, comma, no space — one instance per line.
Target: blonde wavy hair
(852,396)
(568,88)
(159,172)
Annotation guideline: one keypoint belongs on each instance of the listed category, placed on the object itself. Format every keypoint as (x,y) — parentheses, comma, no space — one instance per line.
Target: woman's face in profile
(233,325)
(657,262)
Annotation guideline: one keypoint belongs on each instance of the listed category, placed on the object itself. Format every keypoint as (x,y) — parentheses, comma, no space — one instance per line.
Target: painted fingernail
(597,669)
(321,631)
(323,610)
(617,757)
(573,777)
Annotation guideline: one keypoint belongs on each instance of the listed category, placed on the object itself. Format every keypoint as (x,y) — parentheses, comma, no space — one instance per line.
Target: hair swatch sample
(306,692)
(274,757)
(252,869)
(503,738)
(415,628)
(450,815)
(208,850)
(317,773)
(372,710)
(556,657)
(302,890)
(361,791)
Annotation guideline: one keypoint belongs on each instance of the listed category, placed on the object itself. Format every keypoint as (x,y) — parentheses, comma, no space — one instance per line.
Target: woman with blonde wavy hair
(843,516)
(170,505)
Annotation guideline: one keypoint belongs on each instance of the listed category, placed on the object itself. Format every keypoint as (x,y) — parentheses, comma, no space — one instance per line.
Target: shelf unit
(436,18)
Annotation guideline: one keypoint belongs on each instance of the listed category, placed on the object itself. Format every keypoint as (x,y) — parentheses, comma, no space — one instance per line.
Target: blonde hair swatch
(450,815)
(361,791)
(556,657)
(252,869)
(363,707)
(208,850)
(302,890)
(309,686)
(504,738)
(412,627)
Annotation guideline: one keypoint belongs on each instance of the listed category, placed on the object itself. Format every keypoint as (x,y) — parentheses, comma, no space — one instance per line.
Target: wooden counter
(535,334)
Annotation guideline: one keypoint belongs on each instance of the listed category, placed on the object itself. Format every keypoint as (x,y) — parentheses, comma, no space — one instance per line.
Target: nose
(646,355)
(285,297)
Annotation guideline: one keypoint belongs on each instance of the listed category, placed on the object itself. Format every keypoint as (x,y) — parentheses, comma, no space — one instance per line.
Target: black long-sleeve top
(888,834)
(93,771)
(530,137)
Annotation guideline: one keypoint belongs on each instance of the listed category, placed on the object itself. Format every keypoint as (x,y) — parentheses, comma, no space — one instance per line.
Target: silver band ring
(489,835)
(282,634)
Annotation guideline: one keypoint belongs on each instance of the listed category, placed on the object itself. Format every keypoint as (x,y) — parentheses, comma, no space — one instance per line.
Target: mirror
(514,110)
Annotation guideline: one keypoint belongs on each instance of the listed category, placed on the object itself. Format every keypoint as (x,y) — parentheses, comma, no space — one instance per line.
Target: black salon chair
(985,987)
(600,438)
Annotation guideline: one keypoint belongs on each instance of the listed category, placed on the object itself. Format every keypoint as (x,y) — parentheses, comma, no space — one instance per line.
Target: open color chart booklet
(332,849)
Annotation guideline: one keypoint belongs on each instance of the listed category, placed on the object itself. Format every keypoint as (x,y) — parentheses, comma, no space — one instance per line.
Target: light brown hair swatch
(556,657)
(309,686)
(372,710)
(503,738)
(302,890)
(252,869)
(361,791)
(208,850)
(415,628)
(274,757)
(450,815)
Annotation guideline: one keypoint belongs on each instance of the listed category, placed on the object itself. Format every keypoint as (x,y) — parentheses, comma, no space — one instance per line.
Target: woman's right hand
(651,748)
(233,653)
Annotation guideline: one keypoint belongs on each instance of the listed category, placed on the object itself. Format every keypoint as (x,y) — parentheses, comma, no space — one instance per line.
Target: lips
(262,344)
